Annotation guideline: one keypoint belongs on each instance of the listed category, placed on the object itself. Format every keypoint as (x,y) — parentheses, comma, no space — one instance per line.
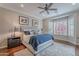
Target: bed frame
(40,47)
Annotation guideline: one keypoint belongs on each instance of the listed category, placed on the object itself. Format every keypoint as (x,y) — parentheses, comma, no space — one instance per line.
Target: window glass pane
(55,29)
(50,27)
(60,27)
(71,26)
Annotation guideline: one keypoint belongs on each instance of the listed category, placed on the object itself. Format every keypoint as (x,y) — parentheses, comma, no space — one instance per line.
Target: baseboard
(65,42)
(3,47)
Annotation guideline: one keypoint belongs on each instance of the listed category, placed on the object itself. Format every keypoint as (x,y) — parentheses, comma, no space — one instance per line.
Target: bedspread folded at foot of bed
(39,39)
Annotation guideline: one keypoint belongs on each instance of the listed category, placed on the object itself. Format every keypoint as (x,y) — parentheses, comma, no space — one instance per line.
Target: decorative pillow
(27,32)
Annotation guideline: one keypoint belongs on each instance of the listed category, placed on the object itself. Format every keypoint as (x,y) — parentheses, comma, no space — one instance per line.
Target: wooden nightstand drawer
(14,42)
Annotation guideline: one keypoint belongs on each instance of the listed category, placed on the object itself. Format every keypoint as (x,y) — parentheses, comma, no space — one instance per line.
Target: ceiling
(32,10)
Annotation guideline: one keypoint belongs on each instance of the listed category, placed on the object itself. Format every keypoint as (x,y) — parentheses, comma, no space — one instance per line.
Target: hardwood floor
(11,51)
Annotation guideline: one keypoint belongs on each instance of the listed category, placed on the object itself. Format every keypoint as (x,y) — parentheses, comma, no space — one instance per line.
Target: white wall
(45,26)
(9,20)
(77,27)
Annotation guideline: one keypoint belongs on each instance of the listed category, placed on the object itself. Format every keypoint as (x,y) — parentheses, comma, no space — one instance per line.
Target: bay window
(62,26)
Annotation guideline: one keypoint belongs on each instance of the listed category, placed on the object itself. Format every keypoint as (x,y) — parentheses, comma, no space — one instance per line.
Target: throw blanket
(39,39)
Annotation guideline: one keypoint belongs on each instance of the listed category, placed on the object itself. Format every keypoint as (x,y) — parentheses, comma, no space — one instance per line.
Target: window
(62,26)
(71,26)
(51,28)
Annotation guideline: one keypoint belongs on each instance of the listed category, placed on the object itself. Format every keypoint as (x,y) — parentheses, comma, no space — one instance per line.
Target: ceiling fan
(47,8)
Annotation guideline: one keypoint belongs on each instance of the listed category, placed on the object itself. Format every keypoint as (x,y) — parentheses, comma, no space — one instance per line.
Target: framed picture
(23,20)
(35,22)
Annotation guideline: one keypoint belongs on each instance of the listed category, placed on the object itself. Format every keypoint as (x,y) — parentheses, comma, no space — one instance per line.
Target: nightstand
(14,42)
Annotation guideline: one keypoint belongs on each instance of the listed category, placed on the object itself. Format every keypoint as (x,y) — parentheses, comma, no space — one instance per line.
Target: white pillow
(26,38)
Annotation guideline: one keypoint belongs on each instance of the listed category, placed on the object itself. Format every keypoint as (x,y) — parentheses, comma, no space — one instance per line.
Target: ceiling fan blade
(52,9)
(41,11)
(49,5)
(41,7)
(47,11)
(55,10)
(46,5)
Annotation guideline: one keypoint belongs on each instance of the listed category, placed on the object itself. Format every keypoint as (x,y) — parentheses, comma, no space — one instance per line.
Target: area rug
(58,49)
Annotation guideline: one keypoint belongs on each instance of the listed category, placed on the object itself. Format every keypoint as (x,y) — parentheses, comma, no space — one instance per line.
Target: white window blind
(62,26)
(50,27)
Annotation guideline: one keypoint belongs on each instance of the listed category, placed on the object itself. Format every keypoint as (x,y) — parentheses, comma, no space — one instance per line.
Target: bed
(37,43)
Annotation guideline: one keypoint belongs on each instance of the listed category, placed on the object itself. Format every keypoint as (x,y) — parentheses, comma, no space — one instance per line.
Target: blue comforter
(39,39)
(44,37)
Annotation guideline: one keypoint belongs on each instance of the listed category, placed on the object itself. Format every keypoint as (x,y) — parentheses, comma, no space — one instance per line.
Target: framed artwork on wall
(23,20)
(35,22)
